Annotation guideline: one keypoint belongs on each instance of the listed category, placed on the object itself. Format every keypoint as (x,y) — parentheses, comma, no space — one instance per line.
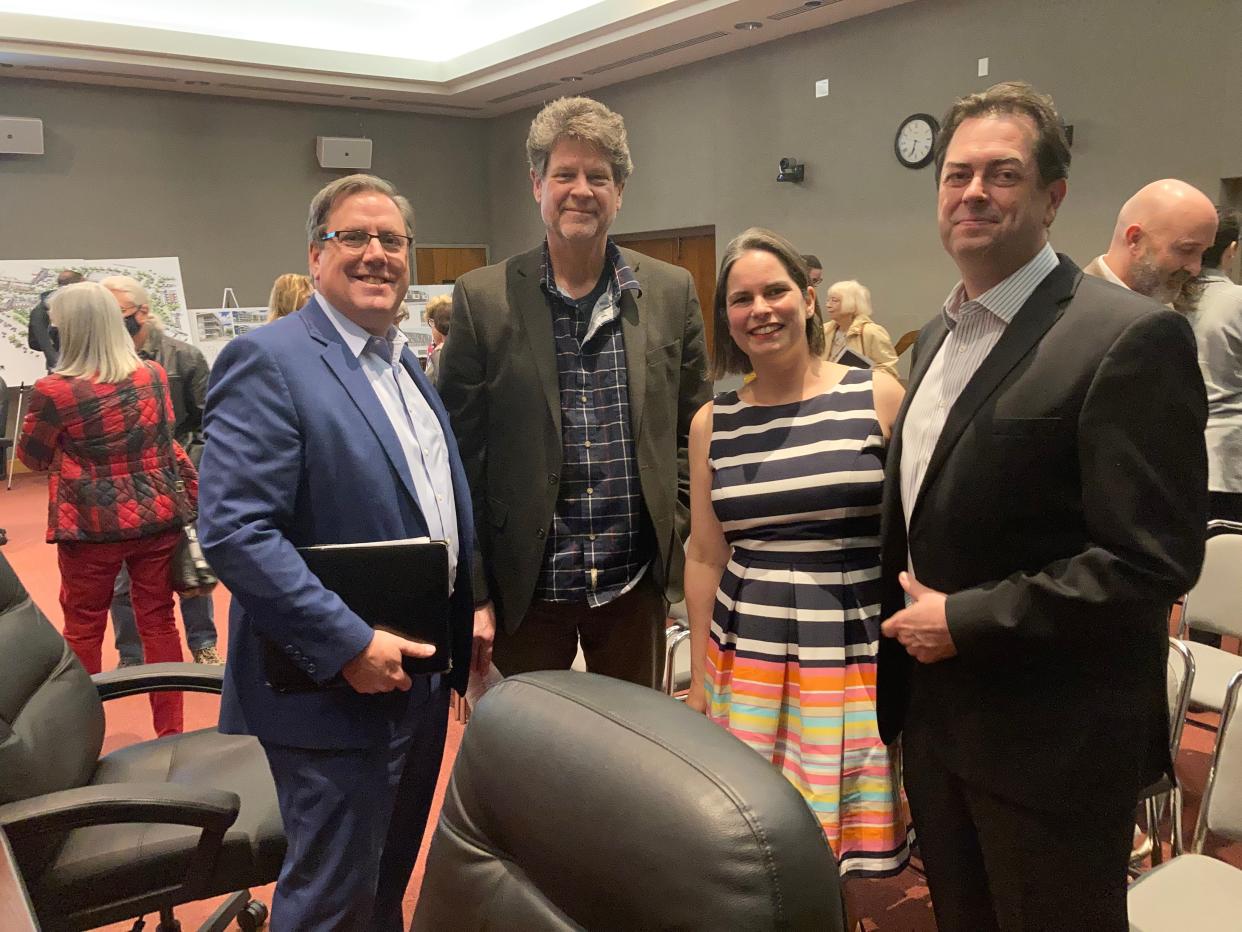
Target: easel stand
(17,429)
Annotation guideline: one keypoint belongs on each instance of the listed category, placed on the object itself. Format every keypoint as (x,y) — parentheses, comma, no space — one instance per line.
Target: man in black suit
(40,334)
(1045,504)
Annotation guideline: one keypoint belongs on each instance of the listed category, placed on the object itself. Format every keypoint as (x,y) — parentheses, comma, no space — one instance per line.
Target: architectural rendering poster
(23,282)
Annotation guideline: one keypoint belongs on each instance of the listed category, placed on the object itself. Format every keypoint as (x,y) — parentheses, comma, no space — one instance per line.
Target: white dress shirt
(1110,275)
(975,327)
(415,424)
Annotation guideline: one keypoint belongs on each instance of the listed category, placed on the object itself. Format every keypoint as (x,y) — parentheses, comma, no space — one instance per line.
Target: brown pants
(623,639)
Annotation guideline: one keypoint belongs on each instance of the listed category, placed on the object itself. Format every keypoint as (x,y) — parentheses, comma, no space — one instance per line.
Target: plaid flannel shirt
(117,474)
(600,540)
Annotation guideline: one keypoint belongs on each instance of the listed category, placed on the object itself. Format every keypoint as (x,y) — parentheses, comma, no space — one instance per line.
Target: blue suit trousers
(355,822)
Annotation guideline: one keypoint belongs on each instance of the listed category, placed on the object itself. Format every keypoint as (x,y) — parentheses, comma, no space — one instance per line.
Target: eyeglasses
(357,240)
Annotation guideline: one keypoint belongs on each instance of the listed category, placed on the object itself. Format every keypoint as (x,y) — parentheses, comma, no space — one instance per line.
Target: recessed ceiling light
(749,26)
(570,79)
(360,97)
(198,83)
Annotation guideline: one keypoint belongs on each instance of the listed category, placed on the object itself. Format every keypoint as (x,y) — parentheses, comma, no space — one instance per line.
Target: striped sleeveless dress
(791,661)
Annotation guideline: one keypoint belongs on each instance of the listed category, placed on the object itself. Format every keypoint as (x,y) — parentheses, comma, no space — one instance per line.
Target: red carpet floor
(900,903)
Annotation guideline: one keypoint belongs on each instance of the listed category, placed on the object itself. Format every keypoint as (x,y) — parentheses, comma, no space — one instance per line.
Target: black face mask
(132,325)
(53,334)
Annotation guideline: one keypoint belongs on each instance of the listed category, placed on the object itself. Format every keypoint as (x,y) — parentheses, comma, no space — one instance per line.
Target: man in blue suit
(321,429)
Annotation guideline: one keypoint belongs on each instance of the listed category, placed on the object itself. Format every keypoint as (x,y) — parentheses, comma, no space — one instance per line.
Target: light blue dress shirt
(415,424)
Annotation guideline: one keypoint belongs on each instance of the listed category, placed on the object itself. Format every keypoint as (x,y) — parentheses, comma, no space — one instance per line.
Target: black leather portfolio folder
(400,586)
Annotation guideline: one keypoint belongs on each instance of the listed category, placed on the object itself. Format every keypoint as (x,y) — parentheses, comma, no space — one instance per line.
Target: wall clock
(915,143)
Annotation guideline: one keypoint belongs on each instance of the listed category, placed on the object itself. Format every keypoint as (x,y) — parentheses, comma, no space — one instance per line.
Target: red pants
(87,574)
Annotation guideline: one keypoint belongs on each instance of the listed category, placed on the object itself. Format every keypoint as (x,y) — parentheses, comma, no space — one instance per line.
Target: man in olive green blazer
(571,376)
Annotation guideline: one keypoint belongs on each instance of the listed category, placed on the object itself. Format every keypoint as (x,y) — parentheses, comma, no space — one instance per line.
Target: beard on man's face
(1147,278)
(1186,301)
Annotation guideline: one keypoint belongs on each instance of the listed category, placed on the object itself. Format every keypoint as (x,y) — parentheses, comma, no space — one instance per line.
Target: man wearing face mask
(1158,242)
(41,336)
(187,381)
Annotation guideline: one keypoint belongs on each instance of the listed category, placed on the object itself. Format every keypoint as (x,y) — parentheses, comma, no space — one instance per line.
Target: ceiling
(476,58)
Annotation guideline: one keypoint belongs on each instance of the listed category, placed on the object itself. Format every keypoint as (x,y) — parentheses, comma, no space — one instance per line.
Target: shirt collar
(359,340)
(622,275)
(1215,275)
(1110,275)
(1005,298)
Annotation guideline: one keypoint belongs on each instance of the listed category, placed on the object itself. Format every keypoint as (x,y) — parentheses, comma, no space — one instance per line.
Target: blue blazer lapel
(348,370)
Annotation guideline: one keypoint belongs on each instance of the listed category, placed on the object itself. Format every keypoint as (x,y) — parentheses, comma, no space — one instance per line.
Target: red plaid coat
(117,474)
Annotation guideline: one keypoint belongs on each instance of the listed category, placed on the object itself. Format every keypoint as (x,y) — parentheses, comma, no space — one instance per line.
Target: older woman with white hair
(850,327)
(121,487)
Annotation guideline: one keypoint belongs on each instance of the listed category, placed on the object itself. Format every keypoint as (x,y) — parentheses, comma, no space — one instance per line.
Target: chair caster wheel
(253,917)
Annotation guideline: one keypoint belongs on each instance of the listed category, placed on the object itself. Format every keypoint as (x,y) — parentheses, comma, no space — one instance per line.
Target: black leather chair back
(51,719)
(582,802)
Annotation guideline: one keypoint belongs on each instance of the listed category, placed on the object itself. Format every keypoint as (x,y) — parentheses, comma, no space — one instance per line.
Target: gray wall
(1151,88)
(220,182)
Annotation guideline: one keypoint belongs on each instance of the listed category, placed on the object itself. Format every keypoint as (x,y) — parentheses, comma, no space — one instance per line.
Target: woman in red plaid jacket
(120,488)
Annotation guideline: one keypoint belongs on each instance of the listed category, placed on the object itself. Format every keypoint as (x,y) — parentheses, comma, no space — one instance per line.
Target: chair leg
(673,641)
(1175,816)
(226,912)
(1153,830)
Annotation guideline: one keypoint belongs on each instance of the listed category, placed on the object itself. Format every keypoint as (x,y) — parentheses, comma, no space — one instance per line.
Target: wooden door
(443,265)
(693,250)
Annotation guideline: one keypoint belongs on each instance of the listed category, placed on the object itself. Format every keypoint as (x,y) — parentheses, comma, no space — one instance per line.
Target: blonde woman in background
(120,487)
(289,292)
(848,306)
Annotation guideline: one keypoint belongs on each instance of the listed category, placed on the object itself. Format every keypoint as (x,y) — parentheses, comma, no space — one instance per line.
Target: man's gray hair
(579,118)
(334,191)
(130,287)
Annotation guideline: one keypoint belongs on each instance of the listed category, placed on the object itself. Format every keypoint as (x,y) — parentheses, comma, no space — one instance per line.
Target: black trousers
(993,864)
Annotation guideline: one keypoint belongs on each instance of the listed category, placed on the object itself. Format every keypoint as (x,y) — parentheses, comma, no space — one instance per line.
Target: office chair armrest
(159,677)
(110,803)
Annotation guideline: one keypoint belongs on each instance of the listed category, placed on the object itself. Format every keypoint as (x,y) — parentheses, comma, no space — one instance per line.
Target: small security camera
(791,170)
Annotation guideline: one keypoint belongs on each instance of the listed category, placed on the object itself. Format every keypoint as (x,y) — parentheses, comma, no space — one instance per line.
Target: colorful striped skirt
(791,669)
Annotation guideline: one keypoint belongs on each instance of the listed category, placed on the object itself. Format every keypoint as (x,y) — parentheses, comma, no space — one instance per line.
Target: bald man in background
(1158,242)
(1157,250)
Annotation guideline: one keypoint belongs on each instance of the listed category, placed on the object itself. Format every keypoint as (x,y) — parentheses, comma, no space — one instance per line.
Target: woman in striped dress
(783,562)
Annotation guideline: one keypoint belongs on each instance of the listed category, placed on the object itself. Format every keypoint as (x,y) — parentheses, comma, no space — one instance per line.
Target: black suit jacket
(38,332)
(497,375)
(1063,511)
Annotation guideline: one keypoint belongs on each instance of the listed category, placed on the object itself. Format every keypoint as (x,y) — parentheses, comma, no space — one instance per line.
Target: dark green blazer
(498,378)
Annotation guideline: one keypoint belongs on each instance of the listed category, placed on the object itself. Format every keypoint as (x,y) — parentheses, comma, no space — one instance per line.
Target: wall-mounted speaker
(342,152)
(21,136)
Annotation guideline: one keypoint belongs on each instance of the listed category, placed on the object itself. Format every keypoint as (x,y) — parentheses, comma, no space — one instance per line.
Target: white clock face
(915,140)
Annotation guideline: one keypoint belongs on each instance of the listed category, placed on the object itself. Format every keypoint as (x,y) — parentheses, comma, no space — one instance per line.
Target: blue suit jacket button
(310,668)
